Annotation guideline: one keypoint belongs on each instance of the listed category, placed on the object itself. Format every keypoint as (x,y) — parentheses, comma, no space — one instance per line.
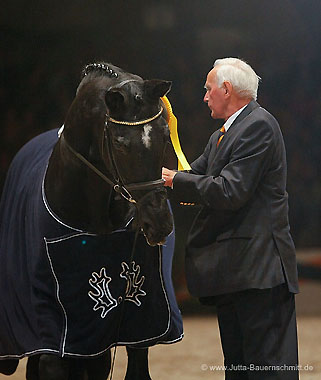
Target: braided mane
(99,68)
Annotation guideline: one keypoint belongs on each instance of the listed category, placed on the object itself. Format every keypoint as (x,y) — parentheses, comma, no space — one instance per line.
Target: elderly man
(240,256)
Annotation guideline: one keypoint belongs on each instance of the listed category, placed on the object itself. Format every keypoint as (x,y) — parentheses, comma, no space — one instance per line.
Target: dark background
(45,44)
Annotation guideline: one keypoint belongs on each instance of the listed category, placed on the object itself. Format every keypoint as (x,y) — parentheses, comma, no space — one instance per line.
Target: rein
(123,190)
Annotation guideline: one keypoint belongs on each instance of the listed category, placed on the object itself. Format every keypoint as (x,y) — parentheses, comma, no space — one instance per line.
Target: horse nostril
(156,236)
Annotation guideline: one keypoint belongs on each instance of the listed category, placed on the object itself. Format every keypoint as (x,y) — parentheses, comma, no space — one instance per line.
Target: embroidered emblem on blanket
(134,283)
(102,298)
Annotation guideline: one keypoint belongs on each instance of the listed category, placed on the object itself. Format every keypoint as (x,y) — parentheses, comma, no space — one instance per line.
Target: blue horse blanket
(68,292)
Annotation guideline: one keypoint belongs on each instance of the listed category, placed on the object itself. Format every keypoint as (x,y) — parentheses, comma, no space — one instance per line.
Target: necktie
(220,136)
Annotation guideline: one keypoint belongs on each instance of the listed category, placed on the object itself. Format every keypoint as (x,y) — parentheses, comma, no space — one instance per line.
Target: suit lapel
(213,161)
(247,110)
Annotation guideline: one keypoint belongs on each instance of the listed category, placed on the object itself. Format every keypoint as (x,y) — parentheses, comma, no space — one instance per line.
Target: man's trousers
(258,333)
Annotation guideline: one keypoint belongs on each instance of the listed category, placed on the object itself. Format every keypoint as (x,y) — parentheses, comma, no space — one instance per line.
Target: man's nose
(205,99)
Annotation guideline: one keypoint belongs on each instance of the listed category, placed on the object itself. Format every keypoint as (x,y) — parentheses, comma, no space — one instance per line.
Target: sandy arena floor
(192,358)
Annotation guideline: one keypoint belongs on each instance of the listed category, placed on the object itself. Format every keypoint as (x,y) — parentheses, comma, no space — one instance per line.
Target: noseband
(118,185)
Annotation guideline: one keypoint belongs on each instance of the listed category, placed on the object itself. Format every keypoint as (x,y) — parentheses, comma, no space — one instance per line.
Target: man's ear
(156,88)
(114,101)
(227,87)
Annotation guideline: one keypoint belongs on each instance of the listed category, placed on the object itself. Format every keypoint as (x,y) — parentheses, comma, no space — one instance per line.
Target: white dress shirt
(231,119)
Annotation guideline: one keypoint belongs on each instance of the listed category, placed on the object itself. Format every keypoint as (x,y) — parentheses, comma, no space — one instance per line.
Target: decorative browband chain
(172,123)
(133,123)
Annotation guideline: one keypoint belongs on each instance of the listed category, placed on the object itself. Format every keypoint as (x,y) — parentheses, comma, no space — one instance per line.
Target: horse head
(117,127)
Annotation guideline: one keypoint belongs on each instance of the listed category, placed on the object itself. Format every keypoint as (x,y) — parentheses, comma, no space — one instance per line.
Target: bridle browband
(134,123)
(118,186)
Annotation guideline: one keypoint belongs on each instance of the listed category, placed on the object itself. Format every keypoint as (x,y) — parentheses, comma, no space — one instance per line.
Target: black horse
(103,175)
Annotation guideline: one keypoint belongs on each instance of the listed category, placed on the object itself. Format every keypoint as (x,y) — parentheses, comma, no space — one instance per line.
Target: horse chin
(153,243)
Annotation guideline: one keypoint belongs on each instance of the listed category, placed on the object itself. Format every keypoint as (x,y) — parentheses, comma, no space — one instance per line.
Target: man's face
(215,96)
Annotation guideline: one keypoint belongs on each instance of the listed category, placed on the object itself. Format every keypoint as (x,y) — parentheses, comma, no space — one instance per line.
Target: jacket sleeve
(250,158)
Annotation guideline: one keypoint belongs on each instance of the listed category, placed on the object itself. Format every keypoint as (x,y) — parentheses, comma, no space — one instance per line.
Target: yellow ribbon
(172,124)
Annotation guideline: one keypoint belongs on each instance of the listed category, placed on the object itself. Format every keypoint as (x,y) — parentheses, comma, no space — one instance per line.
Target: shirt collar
(231,119)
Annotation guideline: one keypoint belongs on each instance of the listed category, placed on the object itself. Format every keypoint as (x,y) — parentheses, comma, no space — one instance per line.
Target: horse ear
(157,88)
(114,100)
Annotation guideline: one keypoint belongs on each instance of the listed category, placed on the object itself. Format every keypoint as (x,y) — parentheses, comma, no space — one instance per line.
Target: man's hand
(168,176)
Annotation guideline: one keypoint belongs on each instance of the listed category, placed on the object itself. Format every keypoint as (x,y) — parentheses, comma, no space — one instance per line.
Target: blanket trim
(51,213)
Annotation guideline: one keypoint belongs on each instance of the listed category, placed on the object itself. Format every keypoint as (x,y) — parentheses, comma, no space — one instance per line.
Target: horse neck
(79,197)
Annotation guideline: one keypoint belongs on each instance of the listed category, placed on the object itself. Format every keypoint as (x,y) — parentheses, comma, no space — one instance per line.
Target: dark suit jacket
(240,239)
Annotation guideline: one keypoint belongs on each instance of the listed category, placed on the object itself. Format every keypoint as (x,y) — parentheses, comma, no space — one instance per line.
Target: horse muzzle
(154,217)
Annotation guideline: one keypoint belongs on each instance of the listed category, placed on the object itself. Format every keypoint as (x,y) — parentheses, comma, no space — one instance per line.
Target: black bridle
(117,182)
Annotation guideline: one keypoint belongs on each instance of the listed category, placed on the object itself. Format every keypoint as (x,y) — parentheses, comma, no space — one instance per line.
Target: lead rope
(122,305)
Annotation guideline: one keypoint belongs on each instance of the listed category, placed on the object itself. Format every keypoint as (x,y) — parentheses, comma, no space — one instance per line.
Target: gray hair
(240,74)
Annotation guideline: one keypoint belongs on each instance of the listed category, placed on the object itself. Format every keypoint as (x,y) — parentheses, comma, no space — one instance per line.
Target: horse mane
(103,69)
